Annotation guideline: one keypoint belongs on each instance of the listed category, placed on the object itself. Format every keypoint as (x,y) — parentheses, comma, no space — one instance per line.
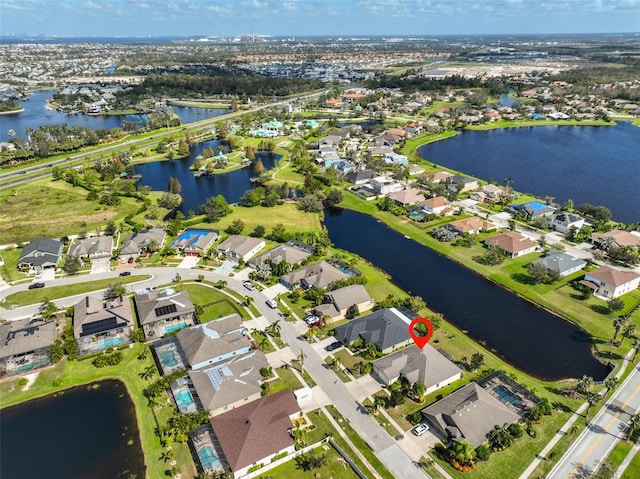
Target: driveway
(100,265)
(226,268)
(273,291)
(48,274)
(189,262)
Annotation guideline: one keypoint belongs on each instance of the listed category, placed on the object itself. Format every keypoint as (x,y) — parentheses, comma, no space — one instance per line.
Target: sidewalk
(626,461)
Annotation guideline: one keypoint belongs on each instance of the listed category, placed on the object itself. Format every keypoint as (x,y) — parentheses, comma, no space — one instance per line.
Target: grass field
(33,296)
(53,209)
(331,469)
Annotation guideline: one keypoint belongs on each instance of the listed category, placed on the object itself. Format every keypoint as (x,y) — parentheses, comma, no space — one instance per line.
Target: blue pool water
(190,234)
(207,458)
(507,396)
(167,358)
(184,399)
(174,327)
(109,343)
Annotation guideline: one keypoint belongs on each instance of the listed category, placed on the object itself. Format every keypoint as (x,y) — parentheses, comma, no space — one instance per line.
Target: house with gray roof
(320,275)
(195,242)
(92,248)
(40,254)
(98,325)
(229,383)
(361,177)
(238,247)
(290,253)
(163,312)
(137,243)
(337,302)
(387,328)
(426,365)
(469,414)
(24,345)
(561,263)
(214,341)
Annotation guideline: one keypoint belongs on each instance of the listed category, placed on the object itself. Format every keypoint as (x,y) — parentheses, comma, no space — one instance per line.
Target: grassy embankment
(522,123)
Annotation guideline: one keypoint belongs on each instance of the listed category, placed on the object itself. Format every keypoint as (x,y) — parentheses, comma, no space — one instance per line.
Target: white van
(272,304)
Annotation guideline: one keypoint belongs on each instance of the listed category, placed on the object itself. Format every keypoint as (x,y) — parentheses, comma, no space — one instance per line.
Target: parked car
(420,429)
(271,303)
(248,285)
(311,318)
(332,346)
(125,273)
(36,285)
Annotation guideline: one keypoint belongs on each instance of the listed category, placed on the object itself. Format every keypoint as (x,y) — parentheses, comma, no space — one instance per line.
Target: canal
(526,336)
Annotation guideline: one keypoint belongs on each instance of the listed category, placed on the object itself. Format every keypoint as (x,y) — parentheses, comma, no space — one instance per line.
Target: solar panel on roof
(163,310)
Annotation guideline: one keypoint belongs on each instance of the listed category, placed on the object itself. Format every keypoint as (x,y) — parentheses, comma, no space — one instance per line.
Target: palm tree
(419,389)
(248,300)
(378,403)
(148,372)
(634,425)
(636,348)
(167,455)
(610,384)
(500,438)
(618,323)
(274,329)
(301,357)
(463,452)
(584,385)
(261,340)
(591,399)
(336,362)
(144,354)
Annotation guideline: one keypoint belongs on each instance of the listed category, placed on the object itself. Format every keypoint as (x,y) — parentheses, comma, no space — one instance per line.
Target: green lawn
(33,296)
(53,209)
(331,469)
(633,471)
(68,374)
(514,124)
(619,452)
(9,270)
(216,304)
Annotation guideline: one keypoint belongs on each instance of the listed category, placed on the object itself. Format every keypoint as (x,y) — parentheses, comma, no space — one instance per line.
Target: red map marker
(421,340)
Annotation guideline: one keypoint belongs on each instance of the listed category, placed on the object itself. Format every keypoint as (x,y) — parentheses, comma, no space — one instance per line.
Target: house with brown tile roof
(92,248)
(471,225)
(615,238)
(255,432)
(512,244)
(407,197)
(284,252)
(320,275)
(609,283)
(439,176)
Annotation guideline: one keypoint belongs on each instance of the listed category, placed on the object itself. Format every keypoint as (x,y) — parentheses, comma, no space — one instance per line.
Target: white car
(420,429)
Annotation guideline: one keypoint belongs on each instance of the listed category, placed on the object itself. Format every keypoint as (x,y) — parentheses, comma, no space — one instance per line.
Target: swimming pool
(207,458)
(174,327)
(506,396)
(109,343)
(184,399)
(168,358)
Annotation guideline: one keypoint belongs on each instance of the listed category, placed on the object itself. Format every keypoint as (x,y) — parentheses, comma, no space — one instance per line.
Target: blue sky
(315,17)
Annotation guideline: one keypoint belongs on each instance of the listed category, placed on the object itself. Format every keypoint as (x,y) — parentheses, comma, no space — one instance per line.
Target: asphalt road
(602,434)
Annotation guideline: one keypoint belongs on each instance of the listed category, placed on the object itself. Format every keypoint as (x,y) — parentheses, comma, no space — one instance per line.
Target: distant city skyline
(139,18)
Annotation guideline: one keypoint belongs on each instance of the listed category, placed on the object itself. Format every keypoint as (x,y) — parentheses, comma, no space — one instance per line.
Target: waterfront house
(292,252)
(320,275)
(24,345)
(40,254)
(471,225)
(163,312)
(381,185)
(608,283)
(387,328)
(195,242)
(392,158)
(617,238)
(511,243)
(533,209)
(238,247)
(407,197)
(563,221)
(361,177)
(136,244)
(561,263)
(254,433)
(461,184)
(436,206)
(487,194)
(469,414)
(98,325)
(426,365)
(96,247)
(440,176)
(337,302)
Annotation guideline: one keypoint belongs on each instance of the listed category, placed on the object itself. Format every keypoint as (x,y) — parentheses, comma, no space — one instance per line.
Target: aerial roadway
(608,426)
(23,175)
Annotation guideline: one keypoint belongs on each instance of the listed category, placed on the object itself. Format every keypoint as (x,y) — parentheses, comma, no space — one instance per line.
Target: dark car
(332,346)
(125,273)
(36,285)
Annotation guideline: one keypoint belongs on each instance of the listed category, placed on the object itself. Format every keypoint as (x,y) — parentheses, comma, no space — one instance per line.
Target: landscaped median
(34,296)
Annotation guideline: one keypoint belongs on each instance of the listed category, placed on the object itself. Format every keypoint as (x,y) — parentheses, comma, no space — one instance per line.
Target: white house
(611,283)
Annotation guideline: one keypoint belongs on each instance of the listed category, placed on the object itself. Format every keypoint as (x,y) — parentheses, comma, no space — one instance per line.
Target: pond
(79,433)
(526,336)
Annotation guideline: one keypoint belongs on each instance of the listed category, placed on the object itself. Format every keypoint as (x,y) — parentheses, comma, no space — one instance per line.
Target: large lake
(35,115)
(597,165)
(530,338)
(80,434)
